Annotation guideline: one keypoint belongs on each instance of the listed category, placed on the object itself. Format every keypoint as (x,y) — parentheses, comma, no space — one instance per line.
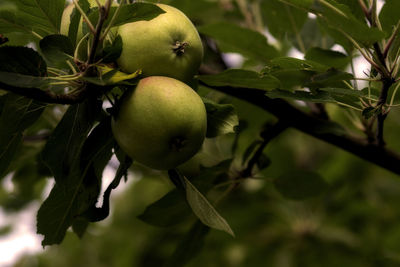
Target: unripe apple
(161,123)
(168,45)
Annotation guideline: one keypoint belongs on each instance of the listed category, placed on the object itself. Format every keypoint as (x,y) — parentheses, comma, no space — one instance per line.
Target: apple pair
(162,122)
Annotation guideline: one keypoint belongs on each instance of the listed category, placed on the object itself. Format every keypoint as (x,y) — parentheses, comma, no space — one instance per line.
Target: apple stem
(177,143)
(179,47)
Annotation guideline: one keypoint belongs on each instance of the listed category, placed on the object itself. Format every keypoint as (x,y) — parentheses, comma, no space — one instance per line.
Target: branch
(48,96)
(267,135)
(317,127)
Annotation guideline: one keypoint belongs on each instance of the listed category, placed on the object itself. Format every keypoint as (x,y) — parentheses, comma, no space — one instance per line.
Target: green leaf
(318,97)
(111,53)
(22,60)
(299,184)
(241,78)
(109,76)
(370,112)
(322,95)
(73,163)
(232,38)
(204,210)
(18,112)
(292,72)
(57,49)
(221,118)
(340,17)
(169,210)
(129,13)
(332,77)
(23,81)
(389,15)
(327,57)
(303,4)
(288,20)
(64,145)
(42,17)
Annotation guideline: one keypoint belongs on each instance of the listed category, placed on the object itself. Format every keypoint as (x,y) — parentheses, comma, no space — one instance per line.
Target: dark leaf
(57,49)
(40,16)
(171,209)
(111,53)
(65,143)
(221,118)
(282,19)
(329,58)
(129,13)
(22,60)
(241,78)
(232,38)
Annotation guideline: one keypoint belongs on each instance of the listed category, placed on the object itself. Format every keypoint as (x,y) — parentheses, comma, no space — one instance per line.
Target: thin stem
(338,11)
(391,39)
(112,20)
(84,16)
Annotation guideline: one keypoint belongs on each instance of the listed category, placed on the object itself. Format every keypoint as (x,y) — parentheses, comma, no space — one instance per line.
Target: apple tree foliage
(301,157)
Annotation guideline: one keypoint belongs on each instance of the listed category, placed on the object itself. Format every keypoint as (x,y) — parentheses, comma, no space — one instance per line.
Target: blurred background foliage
(354,221)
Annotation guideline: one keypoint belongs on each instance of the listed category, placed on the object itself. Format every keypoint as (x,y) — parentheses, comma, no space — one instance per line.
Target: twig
(313,126)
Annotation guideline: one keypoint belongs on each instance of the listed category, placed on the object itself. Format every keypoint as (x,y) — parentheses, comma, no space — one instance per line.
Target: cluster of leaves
(74,144)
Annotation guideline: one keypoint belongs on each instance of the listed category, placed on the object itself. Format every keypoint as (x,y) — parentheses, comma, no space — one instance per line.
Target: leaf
(318,97)
(232,38)
(389,15)
(221,118)
(294,72)
(327,57)
(299,184)
(22,60)
(18,113)
(77,170)
(241,78)
(288,20)
(23,81)
(303,4)
(169,210)
(111,53)
(57,48)
(41,17)
(341,18)
(189,247)
(110,76)
(323,95)
(129,13)
(204,210)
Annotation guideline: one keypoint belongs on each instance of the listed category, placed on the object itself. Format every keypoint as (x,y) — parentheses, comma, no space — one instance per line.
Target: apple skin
(161,123)
(149,46)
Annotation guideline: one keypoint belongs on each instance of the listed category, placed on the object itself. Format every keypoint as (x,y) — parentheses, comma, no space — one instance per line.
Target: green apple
(168,45)
(161,123)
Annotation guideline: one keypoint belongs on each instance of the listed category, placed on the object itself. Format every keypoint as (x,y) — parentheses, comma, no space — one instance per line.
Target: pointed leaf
(241,78)
(221,118)
(204,210)
(40,16)
(57,48)
(65,143)
(233,38)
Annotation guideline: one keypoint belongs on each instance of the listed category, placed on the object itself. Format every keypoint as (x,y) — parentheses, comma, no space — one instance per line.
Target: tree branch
(48,96)
(316,127)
